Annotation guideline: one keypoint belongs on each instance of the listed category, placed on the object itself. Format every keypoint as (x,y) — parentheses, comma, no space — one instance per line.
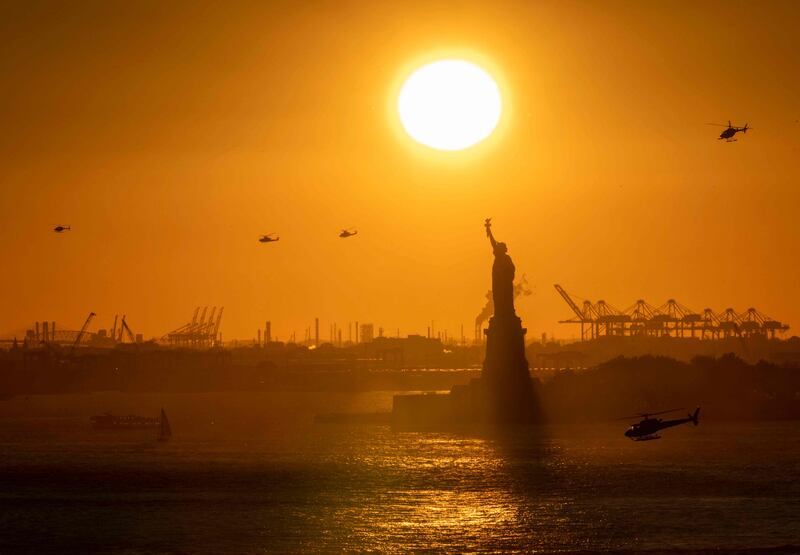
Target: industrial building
(45,333)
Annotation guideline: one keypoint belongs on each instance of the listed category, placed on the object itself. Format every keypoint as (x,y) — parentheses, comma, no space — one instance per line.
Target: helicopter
(268,238)
(348,233)
(62,228)
(730,131)
(649,427)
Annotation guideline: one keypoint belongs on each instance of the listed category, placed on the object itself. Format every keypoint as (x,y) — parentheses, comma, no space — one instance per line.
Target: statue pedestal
(506,377)
(503,396)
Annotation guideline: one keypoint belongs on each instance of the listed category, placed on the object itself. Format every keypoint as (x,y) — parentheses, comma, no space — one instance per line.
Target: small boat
(110,421)
(164,429)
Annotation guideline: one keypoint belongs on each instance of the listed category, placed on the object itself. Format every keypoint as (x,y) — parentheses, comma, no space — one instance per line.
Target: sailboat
(164,429)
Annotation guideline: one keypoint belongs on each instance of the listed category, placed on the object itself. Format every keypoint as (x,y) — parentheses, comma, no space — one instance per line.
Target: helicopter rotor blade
(718,124)
(646,414)
(662,412)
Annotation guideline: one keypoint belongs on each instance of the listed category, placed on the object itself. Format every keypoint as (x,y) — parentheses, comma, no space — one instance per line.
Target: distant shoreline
(727,387)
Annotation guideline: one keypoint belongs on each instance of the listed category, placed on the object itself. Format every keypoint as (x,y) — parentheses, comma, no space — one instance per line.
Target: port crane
(125,328)
(215,336)
(199,331)
(583,315)
(82,332)
(670,319)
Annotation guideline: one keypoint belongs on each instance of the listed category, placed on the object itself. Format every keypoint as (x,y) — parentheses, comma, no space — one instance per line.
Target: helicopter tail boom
(695,418)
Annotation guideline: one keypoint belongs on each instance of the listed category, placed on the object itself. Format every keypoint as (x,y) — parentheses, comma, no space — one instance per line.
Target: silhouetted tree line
(725,387)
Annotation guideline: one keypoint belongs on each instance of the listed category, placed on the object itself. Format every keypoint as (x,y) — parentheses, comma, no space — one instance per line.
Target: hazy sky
(171,135)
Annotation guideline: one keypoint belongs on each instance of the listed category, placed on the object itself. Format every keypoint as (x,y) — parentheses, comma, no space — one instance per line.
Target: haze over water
(249,473)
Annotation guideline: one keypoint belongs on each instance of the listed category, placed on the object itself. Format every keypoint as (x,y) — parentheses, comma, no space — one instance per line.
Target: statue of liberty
(506,375)
(504,395)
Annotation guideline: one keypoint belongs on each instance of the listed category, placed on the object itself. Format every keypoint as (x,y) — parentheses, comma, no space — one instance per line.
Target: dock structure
(671,319)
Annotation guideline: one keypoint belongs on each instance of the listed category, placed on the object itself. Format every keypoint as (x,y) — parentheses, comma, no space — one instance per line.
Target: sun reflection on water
(455,493)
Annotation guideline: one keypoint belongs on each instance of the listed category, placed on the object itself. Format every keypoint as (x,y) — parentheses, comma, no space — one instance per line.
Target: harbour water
(252,473)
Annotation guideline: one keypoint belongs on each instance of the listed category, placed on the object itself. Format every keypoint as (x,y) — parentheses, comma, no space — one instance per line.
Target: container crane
(216,326)
(583,316)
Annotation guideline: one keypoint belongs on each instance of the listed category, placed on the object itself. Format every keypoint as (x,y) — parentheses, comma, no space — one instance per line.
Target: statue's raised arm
(488,224)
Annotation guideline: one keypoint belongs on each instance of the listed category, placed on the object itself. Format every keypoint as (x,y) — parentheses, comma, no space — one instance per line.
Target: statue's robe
(503,285)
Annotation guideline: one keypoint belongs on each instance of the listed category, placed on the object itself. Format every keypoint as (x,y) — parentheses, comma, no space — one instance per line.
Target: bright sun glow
(449,105)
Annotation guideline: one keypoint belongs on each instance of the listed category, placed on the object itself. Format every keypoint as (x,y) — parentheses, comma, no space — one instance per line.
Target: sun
(449,105)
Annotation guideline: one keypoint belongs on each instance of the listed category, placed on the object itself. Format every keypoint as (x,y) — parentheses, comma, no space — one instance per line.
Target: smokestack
(53,331)
(37,332)
(268,332)
(429,332)
(45,331)
(356,331)
(316,332)
(340,337)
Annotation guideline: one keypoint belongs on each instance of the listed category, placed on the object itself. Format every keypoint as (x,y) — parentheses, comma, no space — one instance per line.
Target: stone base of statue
(506,376)
(503,396)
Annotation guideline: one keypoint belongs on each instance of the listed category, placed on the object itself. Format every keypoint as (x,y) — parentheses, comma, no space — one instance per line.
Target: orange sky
(171,135)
